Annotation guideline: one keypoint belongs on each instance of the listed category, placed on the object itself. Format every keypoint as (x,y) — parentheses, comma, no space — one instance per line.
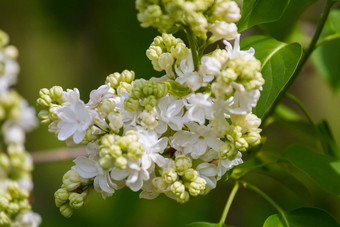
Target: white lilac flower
(225,165)
(187,75)
(153,148)
(96,96)
(208,172)
(9,75)
(170,112)
(199,108)
(236,50)
(88,169)
(75,119)
(196,141)
(28,219)
(223,30)
(70,96)
(129,118)
(135,174)
(243,101)
(210,66)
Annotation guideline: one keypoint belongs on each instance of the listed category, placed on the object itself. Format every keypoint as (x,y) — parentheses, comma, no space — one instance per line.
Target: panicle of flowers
(175,135)
(16,119)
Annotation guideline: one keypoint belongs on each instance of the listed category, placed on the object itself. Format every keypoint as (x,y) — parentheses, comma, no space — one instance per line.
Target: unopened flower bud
(66,210)
(106,162)
(182,163)
(197,186)
(190,174)
(169,175)
(121,162)
(177,188)
(149,102)
(114,79)
(131,104)
(228,151)
(253,138)
(124,87)
(165,61)
(183,198)
(241,144)
(135,150)
(71,180)
(61,197)
(4,38)
(76,200)
(56,92)
(128,76)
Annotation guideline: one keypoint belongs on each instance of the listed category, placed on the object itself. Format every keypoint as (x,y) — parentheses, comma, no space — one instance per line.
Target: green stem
(303,60)
(301,106)
(266,197)
(228,204)
(327,39)
(193,47)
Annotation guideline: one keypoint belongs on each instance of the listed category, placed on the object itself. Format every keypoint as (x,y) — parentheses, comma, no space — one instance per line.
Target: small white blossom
(70,96)
(28,219)
(223,30)
(170,112)
(196,141)
(236,50)
(199,108)
(210,66)
(96,96)
(75,119)
(225,165)
(208,172)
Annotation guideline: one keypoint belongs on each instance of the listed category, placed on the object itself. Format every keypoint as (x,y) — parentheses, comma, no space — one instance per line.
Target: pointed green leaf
(177,89)
(323,169)
(303,217)
(326,57)
(282,28)
(260,11)
(279,61)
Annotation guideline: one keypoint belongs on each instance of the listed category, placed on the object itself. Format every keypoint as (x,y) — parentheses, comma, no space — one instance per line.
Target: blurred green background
(76,43)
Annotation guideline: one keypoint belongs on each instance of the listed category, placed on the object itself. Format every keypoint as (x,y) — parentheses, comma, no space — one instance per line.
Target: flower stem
(303,60)
(301,106)
(57,155)
(228,204)
(193,47)
(266,197)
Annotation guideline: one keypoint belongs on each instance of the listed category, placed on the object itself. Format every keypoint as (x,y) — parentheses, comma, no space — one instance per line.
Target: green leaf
(279,61)
(282,28)
(326,56)
(260,11)
(303,217)
(327,139)
(323,169)
(206,224)
(177,89)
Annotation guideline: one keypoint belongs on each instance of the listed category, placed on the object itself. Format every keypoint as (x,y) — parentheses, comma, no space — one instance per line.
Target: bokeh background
(77,43)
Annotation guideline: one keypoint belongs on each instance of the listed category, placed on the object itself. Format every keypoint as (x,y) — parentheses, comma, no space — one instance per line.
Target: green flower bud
(128,76)
(165,61)
(44,116)
(183,198)
(178,189)
(253,139)
(180,51)
(4,219)
(107,106)
(228,75)
(61,197)
(71,180)
(4,162)
(107,140)
(4,202)
(153,52)
(190,174)
(4,38)
(56,92)
(234,133)
(197,186)
(150,102)
(121,162)
(131,104)
(228,151)
(161,91)
(135,150)
(169,175)
(241,144)
(24,205)
(106,162)
(182,163)
(66,210)
(13,208)
(124,87)
(44,101)
(76,200)
(114,79)
(44,91)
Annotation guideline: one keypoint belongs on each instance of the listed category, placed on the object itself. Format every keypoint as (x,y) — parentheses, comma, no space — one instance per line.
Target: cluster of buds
(178,134)
(198,16)
(16,119)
